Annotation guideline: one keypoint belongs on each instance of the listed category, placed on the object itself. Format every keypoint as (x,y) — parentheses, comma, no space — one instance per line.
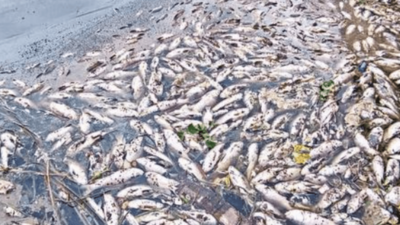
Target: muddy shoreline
(57,39)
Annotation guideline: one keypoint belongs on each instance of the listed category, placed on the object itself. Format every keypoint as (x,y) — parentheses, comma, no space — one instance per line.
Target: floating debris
(5,187)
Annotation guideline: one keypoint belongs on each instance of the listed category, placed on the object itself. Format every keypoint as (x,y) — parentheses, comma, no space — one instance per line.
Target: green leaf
(205,135)
(212,124)
(181,135)
(185,200)
(99,174)
(210,144)
(192,129)
(324,93)
(327,85)
(202,129)
(322,97)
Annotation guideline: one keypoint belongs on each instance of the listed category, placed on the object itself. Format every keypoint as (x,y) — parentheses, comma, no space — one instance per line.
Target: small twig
(32,172)
(83,219)
(78,201)
(51,191)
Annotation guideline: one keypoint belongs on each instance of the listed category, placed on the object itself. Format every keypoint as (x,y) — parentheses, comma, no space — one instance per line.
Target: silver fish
(378,168)
(192,168)
(5,187)
(135,191)
(143,204)
(273,197)
(174,143)
(117,177)
(252,157)
(229,156)
(212,158)
(63,110)
(307,218)
(158,181)
(238,179)
(9,140)
(111,210)
(202,217)
(392,173)
(151,166)
(77,171)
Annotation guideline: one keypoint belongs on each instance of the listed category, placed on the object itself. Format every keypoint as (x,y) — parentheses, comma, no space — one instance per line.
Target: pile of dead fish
(233,105)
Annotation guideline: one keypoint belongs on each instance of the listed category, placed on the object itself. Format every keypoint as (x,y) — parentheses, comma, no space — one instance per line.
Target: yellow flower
(301,154)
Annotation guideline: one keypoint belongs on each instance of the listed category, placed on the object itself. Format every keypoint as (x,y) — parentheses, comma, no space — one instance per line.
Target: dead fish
(85,142)
(135,191)
(363,144)
(25,102)
(63,110)
(137,87)
(233,115)
(238,179)
(201,217)
(212,158)
(141,127)
(232,90)
(85,122)
(19,83)
(227,101)
(392,173)
(175,43)
(192,168)
(8,92)
(375,137)
(159,181)
(393,147)
(345,155)
(378,168)
(33,89)
(151,166)
(99,117)
(328,111)
(229,156)
(272,196)
(391,131)
(157,9)
(208,100)
(5,187)
(297,125)
(393,196)
(266,175)
(118,177)
(112,211)
(134,149)
(12,212)
(10,140)
(356,201)
(77,171)
(164,37)
(175,144)
(307,218)
(4,153)
(158,154)
(143,204)
(252,157)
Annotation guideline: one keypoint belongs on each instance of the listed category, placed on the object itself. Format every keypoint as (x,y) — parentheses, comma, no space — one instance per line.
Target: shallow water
(283,24)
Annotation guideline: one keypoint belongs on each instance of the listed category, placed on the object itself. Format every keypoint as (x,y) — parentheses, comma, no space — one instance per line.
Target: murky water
(284,149)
